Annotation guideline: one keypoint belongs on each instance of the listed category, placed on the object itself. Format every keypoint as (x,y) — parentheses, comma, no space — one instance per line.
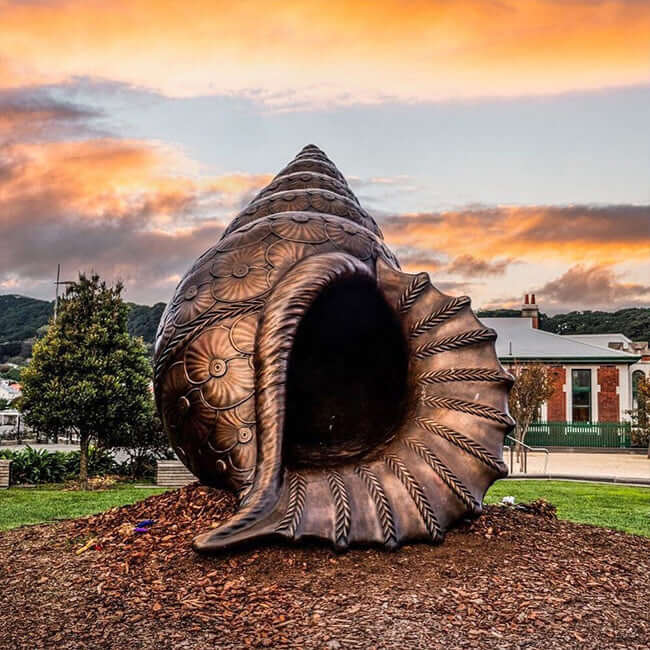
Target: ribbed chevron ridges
(412,292)
(397,466)
(464,406)
(446,475)
(463,442)
(295,505)
(438,316)
(342,505)
(454,342)
(382,505)
(461,374)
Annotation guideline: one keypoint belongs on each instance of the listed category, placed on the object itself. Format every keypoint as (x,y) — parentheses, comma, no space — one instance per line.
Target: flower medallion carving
(351,238)
(234,442)
(222,372)
(239,274)
(300,227)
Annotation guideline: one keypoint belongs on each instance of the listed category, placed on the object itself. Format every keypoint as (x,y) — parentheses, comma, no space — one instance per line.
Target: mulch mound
(514,578)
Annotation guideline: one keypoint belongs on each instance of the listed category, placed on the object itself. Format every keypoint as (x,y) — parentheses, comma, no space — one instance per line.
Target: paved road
(619,465)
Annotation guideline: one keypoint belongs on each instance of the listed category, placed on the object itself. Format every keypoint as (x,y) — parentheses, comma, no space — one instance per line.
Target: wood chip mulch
(514,578)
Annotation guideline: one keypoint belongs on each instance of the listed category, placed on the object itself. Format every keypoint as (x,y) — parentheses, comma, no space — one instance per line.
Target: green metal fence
(579,434)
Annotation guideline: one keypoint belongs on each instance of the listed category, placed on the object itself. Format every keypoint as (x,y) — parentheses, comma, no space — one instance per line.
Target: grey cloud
(593,286)
(33,113)
(471,267)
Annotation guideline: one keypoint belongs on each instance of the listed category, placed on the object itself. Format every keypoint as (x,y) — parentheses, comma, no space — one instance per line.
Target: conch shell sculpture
(339,398)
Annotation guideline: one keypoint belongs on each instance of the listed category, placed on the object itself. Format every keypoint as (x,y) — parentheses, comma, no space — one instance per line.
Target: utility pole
(57,284)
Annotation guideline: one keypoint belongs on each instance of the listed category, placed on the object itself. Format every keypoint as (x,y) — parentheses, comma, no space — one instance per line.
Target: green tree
(533,386)
(641,413)
(87,375)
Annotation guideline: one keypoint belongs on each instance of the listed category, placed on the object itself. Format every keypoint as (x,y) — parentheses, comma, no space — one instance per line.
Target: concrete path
(625,466)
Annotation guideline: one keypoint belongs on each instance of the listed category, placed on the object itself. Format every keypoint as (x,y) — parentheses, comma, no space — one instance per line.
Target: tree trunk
(517,447)
(522,430)
(84,442)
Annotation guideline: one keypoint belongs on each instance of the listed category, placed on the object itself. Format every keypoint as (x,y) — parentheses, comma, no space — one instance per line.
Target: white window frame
(568,389)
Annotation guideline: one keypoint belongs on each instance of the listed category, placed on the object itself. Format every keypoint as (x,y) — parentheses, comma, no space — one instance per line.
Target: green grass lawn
(19,506)
(612,506)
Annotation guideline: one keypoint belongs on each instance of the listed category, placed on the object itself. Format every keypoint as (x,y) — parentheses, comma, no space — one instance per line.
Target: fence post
(5,473)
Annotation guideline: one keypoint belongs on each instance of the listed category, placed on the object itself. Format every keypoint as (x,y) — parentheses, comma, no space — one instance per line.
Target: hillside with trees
(633,322)
(21,318)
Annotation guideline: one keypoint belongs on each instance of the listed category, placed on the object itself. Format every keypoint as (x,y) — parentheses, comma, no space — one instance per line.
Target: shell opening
(347,377)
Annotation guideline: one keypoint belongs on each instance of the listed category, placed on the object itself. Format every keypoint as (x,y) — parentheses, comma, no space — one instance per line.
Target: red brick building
(594,375)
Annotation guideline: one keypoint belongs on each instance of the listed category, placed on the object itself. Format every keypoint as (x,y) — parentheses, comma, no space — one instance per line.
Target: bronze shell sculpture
(339,398)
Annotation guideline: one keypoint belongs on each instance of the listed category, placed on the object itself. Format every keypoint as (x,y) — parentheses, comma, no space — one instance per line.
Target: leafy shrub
(10,372)
(144,443)
(35,466)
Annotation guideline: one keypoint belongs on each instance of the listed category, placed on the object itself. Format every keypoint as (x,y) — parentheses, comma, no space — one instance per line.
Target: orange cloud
(115,177)
(609,234)
(295,51)
(126,208)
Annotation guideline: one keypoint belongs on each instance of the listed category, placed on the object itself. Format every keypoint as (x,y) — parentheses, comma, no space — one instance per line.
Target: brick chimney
(530,309)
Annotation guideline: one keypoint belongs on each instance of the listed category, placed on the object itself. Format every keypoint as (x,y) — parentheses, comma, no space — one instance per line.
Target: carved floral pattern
(172,397)
(242,333)
(300,227)
(240,274)
(302,180)
(243,232)
(236,439)
(192,301)
(352,238)
(283,254)
(223,373)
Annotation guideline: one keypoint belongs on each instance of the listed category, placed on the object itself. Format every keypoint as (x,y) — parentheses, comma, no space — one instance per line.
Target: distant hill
(143,320)
(633,322)
(21,317)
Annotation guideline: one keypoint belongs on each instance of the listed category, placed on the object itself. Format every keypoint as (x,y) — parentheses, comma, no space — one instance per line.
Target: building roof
(517,339)
(601,340)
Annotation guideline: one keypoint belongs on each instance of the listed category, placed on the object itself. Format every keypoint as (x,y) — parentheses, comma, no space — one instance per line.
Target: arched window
(637,376)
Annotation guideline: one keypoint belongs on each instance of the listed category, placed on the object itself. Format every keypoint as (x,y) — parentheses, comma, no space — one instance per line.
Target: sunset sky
(502,145)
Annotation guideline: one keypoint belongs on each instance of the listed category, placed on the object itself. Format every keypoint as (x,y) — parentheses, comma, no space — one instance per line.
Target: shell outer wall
(439,463)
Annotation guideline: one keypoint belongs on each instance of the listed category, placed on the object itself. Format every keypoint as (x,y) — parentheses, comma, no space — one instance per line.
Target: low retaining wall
(172,473)
(5,473)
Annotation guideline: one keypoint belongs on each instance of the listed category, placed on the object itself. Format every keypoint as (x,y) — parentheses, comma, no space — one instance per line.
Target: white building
(9,390)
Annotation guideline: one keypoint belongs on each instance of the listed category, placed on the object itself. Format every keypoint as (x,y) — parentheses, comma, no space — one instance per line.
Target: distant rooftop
(519,340)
